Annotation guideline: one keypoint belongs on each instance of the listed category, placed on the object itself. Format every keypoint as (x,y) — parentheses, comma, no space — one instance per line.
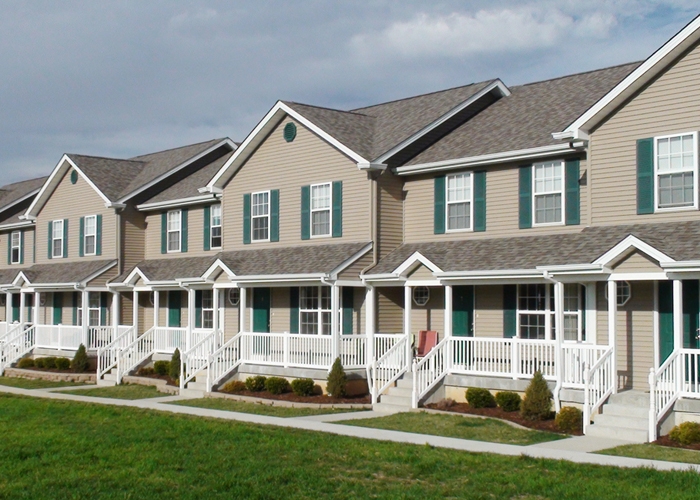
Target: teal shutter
(50,239)
(198,309)
(57,308)
(510,314)
(305,212)
(207,228)
(573,193)
(81,238)
(103,308)
(294,309)
(348,309)
(479,201)
(21,247)
(337,209)
(15,307)
(525,197)
(246,219)
(665,320)
(183,230)
(275,215)
(439,205)
(645,176)
(164,232)
(691,313)
(174,309)
(463,311)
(65,238)
(75,308)
(98,235)
(9,248)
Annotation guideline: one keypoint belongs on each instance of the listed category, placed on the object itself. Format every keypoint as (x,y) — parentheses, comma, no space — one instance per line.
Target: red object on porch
(427,339)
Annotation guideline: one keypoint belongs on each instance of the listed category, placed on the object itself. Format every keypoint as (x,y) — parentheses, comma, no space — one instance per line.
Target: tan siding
(127,309)
(431,316)
(279,311)
(488,311)
(134,237)
(352,273)
(28,249)
(230,319)
(390,309)
(195,235)
(637,263)
(669,105)
(358,324)
(72,201)
(278,164)
(421,273)
(105,277)
(390,210)
(145,312)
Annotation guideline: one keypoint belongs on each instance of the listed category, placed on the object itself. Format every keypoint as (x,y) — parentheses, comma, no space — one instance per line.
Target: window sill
(467,230)
(549,224)
(659,210)
(313,237)
(259,241)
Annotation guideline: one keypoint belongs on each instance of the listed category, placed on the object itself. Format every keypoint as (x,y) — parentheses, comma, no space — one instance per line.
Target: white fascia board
(181,202)
(46,286)
(348,262)
(683,264)
(574,268)
(282,277)
(218,265)
(499,274)
(177,169)
(490,159)
(497,86)
(20,276)
(17,225)
(415,259)
(135,274)
(632,242)
(635,80)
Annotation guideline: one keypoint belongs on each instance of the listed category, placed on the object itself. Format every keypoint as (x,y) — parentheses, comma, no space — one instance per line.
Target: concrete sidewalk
(576,449)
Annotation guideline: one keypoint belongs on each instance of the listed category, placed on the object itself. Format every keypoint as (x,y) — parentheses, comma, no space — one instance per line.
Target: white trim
(637,276)
(350,260)
(329,209)
(85,236)
(180,202)
(632,242)
(212,226)
(135,273)
(268,216)
(168,231)
(506,273)
(414,259)
(54,239)
(561,192)
(218,265)
(18,225)
(470,200)
(694,170)
(20,251)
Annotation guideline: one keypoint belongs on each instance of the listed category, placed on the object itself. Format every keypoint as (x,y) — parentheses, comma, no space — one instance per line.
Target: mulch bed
(512,416)
(318,399)
(666,441)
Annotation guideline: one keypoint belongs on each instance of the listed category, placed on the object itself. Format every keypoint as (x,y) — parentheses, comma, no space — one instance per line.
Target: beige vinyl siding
(667,106)
(126,304)
(231,321)
(28,248)
(421,273)
(390,309)
(279,310)
(488,311)
(352,272)
(195,235)
(430,316)
(637,263)
(501,207)
(145,312)
(133,237)
(278,164)
(359,320)
(73,201)
(105,277)
(390,212)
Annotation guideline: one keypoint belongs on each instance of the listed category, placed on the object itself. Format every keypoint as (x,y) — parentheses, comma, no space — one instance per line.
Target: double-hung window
(676,164)
(90,235)
(78,297)
(215,225)
(207,309)
(315,310)
(174,230)
(459,202)
(573,313)
(15,247)
(93,309)
(535,311)
(260,216)
(548,192)
(321,209)
(57,239)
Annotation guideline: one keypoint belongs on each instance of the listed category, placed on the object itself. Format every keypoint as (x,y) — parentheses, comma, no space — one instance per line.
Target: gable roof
(15,197)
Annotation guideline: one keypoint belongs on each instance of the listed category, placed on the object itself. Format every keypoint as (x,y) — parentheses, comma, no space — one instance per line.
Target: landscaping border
(86,378)
(289,404)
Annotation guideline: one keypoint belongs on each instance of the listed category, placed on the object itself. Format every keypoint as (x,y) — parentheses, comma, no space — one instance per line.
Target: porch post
(135,313)
(156,307)
(612,328)
(678,329)
(37,297)
(86,316)
(407,322)
(215,298)
(370,298)
(8,308)
(115,313)
(591,320)
(190,318)
(241,309)
(22,313)
(558,338)
(335,338)
(448,311)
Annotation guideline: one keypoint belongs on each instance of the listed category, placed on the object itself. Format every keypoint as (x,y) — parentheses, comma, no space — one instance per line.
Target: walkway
(577,449)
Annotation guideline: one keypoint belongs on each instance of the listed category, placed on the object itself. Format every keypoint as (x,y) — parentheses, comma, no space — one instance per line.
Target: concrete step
(106,383)
(197,386)
(396,400)
(626,410)
(400,391)
(192,393)
(604,431)
(406,382)
(622,422)
(390,408)
(110,376)
(631,398)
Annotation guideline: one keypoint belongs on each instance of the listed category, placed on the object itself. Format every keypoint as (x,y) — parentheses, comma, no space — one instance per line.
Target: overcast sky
(124,78)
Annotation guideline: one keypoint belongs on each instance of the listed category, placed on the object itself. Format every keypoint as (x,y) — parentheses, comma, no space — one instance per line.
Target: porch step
(193,385)
(397,398)
(108,379)
(194,393)
(624,416)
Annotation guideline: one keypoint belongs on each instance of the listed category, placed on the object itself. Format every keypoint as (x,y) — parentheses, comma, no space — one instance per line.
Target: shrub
(25,363)
(569,420)
(233,387)
(480,398)
(303,386)
(50,362)
(508,401)
(537,404)
(63,363)
(145,371)
(685,433)
(80,363)
(161,367)
(277,385)
(39,363)
(444,404)
(255,384)
(337,381)
(174,368)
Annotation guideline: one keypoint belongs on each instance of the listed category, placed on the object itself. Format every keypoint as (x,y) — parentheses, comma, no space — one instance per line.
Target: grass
(127,391)
(66,449)
(654,452)
(258,409)
(457,426)
(28,383)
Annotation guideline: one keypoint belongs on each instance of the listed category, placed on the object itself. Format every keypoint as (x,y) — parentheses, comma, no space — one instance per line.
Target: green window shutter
(479,201)
(510,314)
(337,209)
(573,193)
(81,239)
(691,313)
(57,308)
(75,308)
(50,240)
(645,176)
(65,238)
(246,219)
(103,308)
(348,309)
(183,230)
(21,247)
(174,309)
(525,197)
(665,320)
(294,309)
(164,232)
(98,235)
(207,228)
(305,212)
(198,309)
(439,205)
(275,215)
(9,248)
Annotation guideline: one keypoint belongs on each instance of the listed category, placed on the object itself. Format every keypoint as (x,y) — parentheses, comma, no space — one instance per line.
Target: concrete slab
(585,444)
(337,417)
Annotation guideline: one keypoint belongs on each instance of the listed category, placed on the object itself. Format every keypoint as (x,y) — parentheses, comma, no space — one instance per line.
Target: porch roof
(7,275)
(64,273)
(170,269)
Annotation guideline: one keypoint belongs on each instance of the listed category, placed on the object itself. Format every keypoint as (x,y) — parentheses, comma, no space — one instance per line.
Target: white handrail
(12,329)
(664,390)
(430,370)
(599,384)
(389,367)
(224,360)
(108,355)
(17,346)
(135,353)
(197,358)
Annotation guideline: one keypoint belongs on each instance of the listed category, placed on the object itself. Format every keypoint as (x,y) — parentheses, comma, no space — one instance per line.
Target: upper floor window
(260,204)
(174,230)
(321,210)
(676,171)
(57,240)
(215,220)
(16,247)
(459,202)
(90,238)
(548,192)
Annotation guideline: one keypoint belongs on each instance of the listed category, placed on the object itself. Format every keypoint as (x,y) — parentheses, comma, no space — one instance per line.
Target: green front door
(261,310)
(57,308)
(691,310)
(665,320)
(15,307)
(463,311)
(174,308)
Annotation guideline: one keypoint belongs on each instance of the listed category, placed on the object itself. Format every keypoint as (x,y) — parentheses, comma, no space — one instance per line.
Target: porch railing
(575,357)
(430,370)
(16,346)
(59,336)
(196,359)
(10,330)
(353,351)
(101,336)
(135,353)
(389,367)
(167,338)
(107,356)
(599,384)
(224,360)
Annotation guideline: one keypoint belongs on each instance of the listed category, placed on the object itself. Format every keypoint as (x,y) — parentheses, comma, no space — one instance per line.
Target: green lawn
(120,392)
(258,409)
(64,449)
(26,383)
(654,452)
(457,426)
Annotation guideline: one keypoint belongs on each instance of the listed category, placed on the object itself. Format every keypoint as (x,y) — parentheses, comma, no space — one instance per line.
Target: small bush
(685,433)
(174,368)
(145,371)
(480,398)
(39,363)
(303,386)
(63,363)
(255,384)
(508,401)
(233,387)
(537,404)
(276,385)
(80,363)
(161,367)
(337,381)
(50,362)
(25,363)
(445,404)
(569,420)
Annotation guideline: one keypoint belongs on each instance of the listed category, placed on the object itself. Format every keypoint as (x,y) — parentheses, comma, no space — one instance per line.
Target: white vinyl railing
(389,367)
(59,336)
(108,355)
(430,370)
(308,351)
(11,329)
(353,351)
(385,341)
(135,353)
(4,325)
(224,360)
(101,336)
(599,384)
(664,389)
(16,346)
(574,359)
(197,358)
(167,338)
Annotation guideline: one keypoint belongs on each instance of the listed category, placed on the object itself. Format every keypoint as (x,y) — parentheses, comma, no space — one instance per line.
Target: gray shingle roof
(171,269)
(10,193)
(8,275)
(66,272)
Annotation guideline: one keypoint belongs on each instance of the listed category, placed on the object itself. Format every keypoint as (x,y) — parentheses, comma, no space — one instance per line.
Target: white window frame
(212,226)
(208,312)
(694,170)
(54,239)
(253,217)
(547,312)
(329,209)
(86,235)
(319,310)
(561,191)
(470,200)
(170,231)
(17,246)
(578,314)
(92,309)
(79,309)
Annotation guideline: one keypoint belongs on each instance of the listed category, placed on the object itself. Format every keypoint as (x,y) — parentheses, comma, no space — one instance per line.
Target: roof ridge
(561,77)
(4,188)
(179,147)
(102,158)
(350,112)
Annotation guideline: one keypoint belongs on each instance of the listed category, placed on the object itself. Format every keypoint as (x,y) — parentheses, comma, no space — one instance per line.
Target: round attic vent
(73,177)
(290,132)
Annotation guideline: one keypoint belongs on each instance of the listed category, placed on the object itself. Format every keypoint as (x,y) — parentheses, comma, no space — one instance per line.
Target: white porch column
(558,337)
(190,318)
(22,313)
(612,327)
(215,298)
(8,308)
(37,298)
(85,316)
(135,313)
(407,290)
(241,309)
(335,313)
(677,315)
(115,313)
(591,318)
(370,301)
(156,307)
(448,310)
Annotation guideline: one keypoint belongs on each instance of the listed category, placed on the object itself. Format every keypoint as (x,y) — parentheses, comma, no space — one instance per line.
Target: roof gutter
(180,202)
